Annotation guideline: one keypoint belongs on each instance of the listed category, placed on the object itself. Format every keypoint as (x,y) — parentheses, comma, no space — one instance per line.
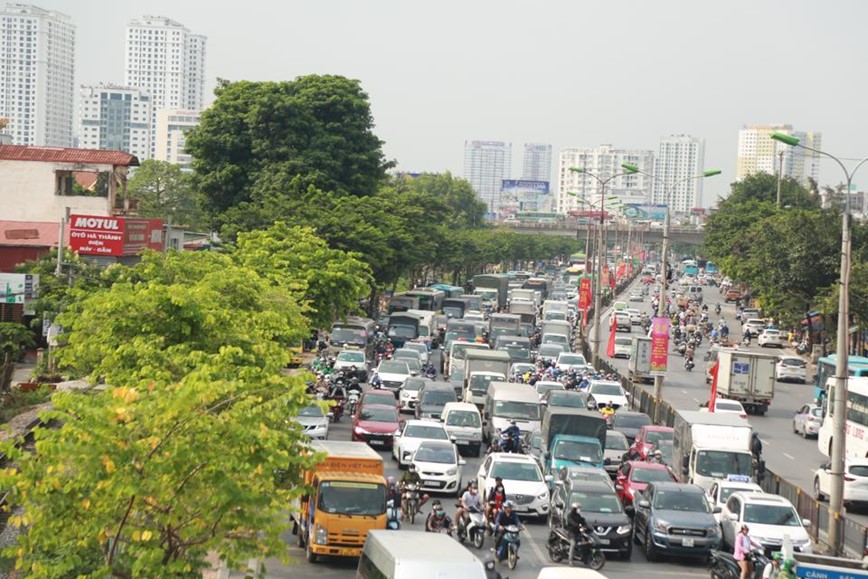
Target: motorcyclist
(410,476)
(608,410)
(575,525)
(633,453)
(393,492)
(505,518)
(513,437)
(656,457)
(437,520)
(495,500)
(756,446)
(469,500)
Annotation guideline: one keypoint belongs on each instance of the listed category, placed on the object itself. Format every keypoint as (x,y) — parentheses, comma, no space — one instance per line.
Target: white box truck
(481,368)
(711,446)
(748,377)
(639,364)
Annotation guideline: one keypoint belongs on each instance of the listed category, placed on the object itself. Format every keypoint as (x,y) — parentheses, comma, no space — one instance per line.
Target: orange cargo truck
(347,498)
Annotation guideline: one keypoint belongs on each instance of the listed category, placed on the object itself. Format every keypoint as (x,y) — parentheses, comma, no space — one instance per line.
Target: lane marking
(789,456)
(542,557)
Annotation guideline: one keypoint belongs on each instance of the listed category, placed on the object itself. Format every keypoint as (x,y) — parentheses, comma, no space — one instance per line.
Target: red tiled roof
(29,233)
(87,179)
(61,155)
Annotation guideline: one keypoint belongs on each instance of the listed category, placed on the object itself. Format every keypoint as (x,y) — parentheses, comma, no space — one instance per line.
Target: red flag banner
(613,329)
(584,317)
(713,399)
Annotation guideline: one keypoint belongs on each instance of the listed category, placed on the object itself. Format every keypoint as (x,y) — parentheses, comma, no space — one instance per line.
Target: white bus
(856,427)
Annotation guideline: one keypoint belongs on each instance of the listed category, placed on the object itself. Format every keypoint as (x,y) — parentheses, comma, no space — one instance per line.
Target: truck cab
(572,437)
(709,447)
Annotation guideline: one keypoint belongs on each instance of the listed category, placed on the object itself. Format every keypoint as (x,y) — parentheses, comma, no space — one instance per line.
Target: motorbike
(506,443)
(393,516)
(509,545)
(352,401)
(586,551)
(472,527)
(430,371)
(717,309)
(411,501)
(688,364)
(722,565)
(682,347)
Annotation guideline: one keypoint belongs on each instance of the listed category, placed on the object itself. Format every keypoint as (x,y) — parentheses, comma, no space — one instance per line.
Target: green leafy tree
(166,192)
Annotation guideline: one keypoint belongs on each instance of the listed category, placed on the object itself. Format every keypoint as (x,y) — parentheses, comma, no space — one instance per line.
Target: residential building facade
(537,165)
(679,158)
(37,67)
(115,118)
(759,153)
(486,165)
(170,140)
(603,162)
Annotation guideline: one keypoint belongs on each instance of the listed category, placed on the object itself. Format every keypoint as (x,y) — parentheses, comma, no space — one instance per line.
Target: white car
(568,361)
(636,296)
(392,374)
(722,405)
(808,420)
(601,392)
(543,386)
(412,434)
(770,338)
(421,348)
(314,422)
(756,326)
(855,481)
(769,517)
(439,466)
(623,347)
(522,478)
(791,368)
(410,393)
(348,359)
(474,317)
(721,490)
(635,316)
(621,320)
(464,425)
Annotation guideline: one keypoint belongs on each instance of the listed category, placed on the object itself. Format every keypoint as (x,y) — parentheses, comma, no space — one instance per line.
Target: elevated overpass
(689,235)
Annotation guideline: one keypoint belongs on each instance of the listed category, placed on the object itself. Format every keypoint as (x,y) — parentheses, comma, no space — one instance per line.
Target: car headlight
(661,526)
(361,430)
(397,432)
(543,495)
(624,529)
(713,531)
(321,535)
(476,436)
(452,471)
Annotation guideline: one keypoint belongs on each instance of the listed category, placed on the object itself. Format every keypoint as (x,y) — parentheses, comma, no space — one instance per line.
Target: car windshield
(726,492)
(681,501)
(418,348)
(719,463)
(606,389)
(646,475)
(437,397)
(459,350)
(378,414)
(597,502)
(655,436)
(568,399)
(479,382)
(405,355)
(424,431)
(413,365)
(543,387)
(463,418)
(407,332)
(315,411)
(577,451)
(516,352)
(509,470)
(858,469)
(631,420)
(352,498)
(616,442)
(666,448)
(390,367)
(384,397)
(348,336)
(430,453)
(555,339)
(354,357)
(413,384)
(779,515)
(794,362)
(572,359)
(517,410)
(551,350)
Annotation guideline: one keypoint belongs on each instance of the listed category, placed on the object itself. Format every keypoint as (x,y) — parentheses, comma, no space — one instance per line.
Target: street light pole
(839,394)
(601,253)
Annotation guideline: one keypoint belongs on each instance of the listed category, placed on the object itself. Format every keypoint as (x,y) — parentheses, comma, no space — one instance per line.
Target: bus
(538,217)
(856,366)
(690,267)
(856,427)
(429,299)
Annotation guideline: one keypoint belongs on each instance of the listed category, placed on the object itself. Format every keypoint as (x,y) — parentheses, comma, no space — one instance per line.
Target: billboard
(522,195)
(16,288)
(114,236)
(645,211)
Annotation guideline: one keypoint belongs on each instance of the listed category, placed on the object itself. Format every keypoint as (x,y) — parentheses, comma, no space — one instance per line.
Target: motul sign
(114,236)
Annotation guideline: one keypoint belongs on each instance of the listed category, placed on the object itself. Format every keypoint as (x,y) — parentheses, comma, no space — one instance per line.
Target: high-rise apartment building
(37,65)
(679,158)
(486,165)
(759,153)
(537,164)
(166,59)
(115,117)
(603,162)
(170,138)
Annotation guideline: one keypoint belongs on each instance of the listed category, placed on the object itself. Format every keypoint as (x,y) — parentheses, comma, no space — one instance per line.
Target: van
(464,425)
(568,573)
(508,401)
(416,555)
(433,397)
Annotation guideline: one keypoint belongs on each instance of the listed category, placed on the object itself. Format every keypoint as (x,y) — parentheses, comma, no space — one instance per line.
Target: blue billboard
(518,195)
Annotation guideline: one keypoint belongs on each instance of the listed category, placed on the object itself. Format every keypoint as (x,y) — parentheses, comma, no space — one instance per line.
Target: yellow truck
(346,499)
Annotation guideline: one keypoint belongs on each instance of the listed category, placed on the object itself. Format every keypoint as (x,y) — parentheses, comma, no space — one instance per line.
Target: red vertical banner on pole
(712,402)
(613,329)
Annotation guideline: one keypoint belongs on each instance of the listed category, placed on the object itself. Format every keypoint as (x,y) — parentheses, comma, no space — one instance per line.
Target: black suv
(676,519)
(601,509)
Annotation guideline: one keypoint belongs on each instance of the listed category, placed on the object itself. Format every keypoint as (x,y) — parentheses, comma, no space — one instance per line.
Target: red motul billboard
(114,236)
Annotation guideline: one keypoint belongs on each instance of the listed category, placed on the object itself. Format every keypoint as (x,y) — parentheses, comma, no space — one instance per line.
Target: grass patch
(16,402)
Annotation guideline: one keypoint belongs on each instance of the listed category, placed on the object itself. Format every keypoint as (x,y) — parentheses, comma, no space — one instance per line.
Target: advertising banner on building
(518,195)
(114,236)
(659,345)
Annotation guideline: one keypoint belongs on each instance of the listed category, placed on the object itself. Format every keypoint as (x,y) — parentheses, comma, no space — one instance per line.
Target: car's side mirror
(461,462)
(806,522)
(619,487)
(716,509)
(644,504)
(732,517)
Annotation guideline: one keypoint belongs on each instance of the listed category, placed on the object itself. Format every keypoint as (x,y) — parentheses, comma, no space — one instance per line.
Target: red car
(634,476)
(648,437)
(379,397)
(377,424)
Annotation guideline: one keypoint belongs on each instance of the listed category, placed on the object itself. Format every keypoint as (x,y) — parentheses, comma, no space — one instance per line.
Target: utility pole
(58,269)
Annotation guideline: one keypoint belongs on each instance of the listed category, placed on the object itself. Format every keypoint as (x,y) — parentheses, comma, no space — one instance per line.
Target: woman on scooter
(743,545)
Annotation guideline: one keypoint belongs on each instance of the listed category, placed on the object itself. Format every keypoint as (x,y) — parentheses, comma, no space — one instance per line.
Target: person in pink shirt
(743,544)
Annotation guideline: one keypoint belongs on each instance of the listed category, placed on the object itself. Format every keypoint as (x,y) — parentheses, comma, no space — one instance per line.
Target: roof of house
(29,233)
(61,155)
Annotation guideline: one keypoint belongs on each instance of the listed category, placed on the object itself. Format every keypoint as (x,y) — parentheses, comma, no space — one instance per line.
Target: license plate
(376,442)
(429,483)
(604,541)
(462,442)
(687,542)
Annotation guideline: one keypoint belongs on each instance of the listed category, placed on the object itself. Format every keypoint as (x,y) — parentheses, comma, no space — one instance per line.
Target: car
(635,316)
(421,348)
(808,420)
(634,475)
(522,478)
(636,296)
(621,320)
(464,426)
(650,436)
(407,354)
(522,368)
(544,386)
(376,424)
(855,481)
(392,374)
(623,347)
(675,519)
(410,393)
(535,446)
(616,446)
(629,423)
(314,421)
(556,339)
(439,465)
(474,316)
(619,306)
(601,392)
(770,337)
(770,518)
(791,369)
(565,398)
(722,405)
(376,397)
(731,295)
(549,352)
(413,432)
(610,525)
(568,361)
(352,363)
(756,325)
(456,380)
(721,490)
(433,396)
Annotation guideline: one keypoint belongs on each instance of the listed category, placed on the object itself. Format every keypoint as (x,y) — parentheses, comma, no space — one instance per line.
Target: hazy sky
(573,73)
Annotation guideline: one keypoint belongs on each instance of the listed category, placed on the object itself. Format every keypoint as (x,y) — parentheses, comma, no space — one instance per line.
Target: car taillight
(849,478)
(742,415)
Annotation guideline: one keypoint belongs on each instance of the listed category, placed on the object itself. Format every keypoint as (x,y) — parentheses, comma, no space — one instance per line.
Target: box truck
(711,446)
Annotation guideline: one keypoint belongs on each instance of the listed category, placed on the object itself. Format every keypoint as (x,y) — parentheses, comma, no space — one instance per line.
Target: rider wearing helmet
(608,410)
(393,493)
(505,518)
(513,433)
(437,520)
(575,525)
(411,476)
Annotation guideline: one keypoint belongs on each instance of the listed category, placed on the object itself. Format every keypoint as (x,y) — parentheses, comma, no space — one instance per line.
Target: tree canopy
(166,192)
